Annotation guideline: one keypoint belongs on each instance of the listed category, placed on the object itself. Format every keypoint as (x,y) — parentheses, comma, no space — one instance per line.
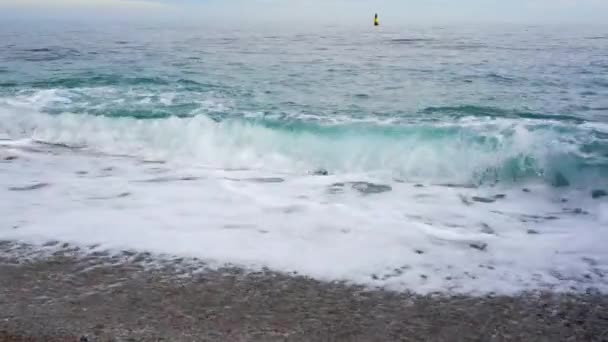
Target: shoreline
(62,297)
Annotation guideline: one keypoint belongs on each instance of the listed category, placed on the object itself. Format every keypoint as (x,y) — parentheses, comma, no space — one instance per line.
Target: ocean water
(463,159)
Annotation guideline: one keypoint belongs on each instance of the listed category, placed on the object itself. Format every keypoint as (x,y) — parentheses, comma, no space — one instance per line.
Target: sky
(336,11)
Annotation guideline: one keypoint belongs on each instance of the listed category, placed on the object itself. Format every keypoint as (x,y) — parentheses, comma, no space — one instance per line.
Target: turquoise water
(479,105)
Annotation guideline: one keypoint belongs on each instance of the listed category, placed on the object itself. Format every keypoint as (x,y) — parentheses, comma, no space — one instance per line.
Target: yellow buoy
(376,21)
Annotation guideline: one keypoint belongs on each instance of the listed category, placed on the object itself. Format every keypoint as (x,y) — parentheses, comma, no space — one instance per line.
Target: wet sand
(68,296)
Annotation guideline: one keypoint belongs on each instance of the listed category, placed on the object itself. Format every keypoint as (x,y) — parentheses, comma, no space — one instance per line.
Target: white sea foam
(411,238)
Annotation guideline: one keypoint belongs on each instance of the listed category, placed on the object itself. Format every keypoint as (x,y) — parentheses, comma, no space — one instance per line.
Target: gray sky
(336,11)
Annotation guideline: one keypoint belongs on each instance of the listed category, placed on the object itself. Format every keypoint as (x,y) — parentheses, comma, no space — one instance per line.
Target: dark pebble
(479,245)
(485,228)
(579,211)
(369,188)
(482,199)
(29,187)
(598,193)
(320,172)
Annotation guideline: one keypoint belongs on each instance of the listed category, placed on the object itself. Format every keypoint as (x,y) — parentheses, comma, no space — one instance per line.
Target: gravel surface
(73,296)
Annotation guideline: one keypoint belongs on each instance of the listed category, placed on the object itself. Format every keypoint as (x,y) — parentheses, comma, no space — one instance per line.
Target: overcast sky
(336,11)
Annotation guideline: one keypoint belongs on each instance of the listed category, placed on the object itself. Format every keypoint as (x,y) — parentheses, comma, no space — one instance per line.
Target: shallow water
(462,159)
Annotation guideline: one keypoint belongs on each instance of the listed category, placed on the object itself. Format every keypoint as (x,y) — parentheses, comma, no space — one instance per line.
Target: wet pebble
(598,193)
(29,187)
(320,172)
(479,245)
(482,199)
(576,211)
(485,228)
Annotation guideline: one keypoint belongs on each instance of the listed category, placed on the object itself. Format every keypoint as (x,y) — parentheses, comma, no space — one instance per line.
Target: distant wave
(43,54)
(478,152)
(482,111)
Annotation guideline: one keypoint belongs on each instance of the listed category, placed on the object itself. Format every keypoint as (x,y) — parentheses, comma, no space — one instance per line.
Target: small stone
(36,186)
(320,172)
(598,193)
(370,188)
(482,199)
(418,251)
(479,245)
(486,229)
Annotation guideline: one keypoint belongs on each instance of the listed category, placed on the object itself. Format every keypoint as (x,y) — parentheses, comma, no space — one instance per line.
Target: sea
(467,159)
